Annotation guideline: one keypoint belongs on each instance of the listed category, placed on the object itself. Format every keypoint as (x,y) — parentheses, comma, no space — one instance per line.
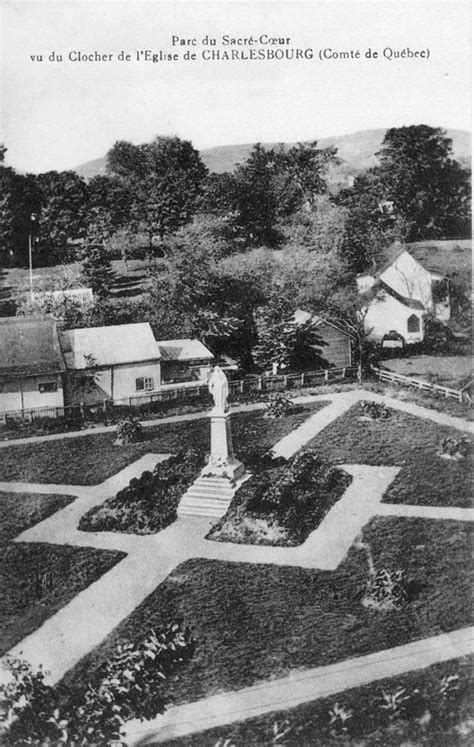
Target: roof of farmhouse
(183,350)
(29,346)
(444,257)
(109,346)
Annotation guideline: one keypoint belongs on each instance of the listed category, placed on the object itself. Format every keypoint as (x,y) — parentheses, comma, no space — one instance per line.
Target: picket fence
(462,395)
(102,409)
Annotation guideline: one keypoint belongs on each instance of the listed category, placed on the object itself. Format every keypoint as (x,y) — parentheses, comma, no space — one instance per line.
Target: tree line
(232,255)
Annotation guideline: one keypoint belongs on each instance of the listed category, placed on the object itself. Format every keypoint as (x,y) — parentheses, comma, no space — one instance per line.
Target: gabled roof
(29,346)
(183,350)
(109,346)
(301,317)
(410,302)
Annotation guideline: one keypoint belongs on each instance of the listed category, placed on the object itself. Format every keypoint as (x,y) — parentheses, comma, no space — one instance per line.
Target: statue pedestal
(222,462)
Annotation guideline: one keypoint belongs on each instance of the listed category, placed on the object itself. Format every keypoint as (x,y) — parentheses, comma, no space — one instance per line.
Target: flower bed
(149,503)
(282,502)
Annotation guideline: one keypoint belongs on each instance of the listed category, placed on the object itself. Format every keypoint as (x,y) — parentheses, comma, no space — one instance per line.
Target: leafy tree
(256,199)
(19,200)
(273,184)
(110,200)
(371,222)
(318,228)
(97,272)
(165,178)
(129,684)
(427,186)
(303,168)
(63,214)
(285,342)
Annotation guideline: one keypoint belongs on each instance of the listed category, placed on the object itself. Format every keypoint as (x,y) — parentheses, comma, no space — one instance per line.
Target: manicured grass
(36,580)
(428,718)
(449,370)
(253,622)
(405,440)
(91,459)
(20,511)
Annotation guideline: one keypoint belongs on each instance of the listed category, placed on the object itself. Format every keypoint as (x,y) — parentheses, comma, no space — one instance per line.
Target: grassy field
(89,460)
(429,717)
(36,580)
(253,622)
(450,370)
(405,440)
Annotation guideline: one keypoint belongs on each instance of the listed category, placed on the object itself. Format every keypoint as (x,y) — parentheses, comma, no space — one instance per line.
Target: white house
(408,286)
(124,361)
(113,362)
(31,365)
(389,311)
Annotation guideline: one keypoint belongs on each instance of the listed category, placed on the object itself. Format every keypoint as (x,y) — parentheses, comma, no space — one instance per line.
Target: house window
(413,323)
(48,386)
(144,384)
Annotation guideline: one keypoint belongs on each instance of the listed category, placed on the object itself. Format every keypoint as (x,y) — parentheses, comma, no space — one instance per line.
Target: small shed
(337,342)
(184,360)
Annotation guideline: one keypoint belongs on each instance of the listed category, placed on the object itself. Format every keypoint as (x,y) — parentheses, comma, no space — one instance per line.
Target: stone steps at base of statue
(208,496)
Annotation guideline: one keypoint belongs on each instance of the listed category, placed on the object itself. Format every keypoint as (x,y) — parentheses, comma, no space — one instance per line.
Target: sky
(59,114)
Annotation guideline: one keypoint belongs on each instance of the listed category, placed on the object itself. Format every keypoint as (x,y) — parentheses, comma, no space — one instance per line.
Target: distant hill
(356,150)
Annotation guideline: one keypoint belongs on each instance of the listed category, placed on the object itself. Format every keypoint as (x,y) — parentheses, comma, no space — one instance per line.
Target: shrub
(450,448)
(129,430)
(375,410)
(279,406)
(386,590)
(293,495)
(149,503)
(129,685)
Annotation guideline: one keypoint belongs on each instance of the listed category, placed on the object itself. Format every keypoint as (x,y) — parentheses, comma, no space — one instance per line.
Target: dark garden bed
(282,502)
(149,503)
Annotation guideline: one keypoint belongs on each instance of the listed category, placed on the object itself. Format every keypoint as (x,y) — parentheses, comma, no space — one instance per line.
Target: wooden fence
(462,395)
(101,409)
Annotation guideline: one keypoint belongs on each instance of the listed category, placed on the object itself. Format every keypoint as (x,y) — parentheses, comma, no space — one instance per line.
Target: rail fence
(104,409)
(462,395)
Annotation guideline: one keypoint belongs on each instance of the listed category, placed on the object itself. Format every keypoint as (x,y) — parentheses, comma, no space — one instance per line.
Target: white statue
(219,388)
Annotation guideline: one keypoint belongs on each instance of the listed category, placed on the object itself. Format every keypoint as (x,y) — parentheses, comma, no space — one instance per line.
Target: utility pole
(30,254)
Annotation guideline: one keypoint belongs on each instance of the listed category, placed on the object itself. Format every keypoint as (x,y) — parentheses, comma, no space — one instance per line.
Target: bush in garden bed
(130,684)
(292,497)
(149,503)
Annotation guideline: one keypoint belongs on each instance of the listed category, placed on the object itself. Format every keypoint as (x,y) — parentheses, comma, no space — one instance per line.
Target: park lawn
(405,440)
(253,622)
(91,459)
(447,720)
(450,370)
(37,579)
(20,511)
